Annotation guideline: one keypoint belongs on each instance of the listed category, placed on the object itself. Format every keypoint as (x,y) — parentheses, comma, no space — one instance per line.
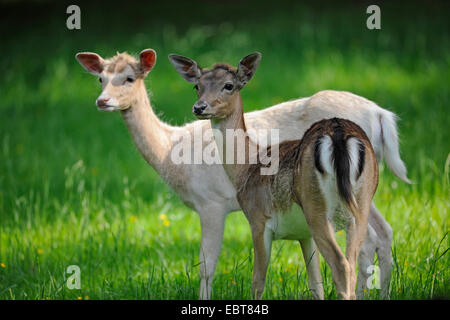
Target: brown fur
(290,153)
(298,181)
(313,202)
(221,65)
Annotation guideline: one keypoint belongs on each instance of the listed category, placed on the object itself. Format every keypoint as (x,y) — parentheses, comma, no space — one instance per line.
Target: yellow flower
(80,298)
(48,298)
(162,216)
(166,223)
(2,265)
(39,251)
(340,232)
(365,290)
(86,297)
(133,219)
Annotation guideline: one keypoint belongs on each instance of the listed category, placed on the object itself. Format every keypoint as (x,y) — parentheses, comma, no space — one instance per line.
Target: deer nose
(199,106)
(102,102)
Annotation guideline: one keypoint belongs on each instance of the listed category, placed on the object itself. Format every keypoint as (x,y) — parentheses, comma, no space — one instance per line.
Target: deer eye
(100,80)
(130,79)
(196,87)
(228,87)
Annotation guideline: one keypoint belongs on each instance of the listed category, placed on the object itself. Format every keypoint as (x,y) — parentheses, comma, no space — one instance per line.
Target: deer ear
(147,59)
(92,62)
(186,67)
(247,67)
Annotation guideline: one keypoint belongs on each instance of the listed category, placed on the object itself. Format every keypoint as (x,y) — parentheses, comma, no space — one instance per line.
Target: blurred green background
(74,190)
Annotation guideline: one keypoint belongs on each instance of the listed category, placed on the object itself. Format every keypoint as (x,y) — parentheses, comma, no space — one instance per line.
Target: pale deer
(331,173)
(123,89)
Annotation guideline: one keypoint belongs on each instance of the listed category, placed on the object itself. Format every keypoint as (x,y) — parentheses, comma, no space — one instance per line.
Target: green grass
(75,191)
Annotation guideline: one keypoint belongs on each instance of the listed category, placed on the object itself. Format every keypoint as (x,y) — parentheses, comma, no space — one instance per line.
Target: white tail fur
(390,145)
(344,175)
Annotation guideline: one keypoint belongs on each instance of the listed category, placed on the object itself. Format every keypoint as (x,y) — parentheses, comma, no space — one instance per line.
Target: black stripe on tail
(317,161)
(341,162)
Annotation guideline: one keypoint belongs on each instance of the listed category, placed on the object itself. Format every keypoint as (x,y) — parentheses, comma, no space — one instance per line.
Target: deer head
(121,77)
(217,88)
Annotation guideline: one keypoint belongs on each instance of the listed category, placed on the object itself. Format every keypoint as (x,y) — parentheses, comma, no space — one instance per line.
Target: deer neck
(233,125)
(150,135)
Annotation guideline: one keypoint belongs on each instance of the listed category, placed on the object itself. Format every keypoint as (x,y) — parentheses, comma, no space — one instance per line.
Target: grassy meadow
(75,191)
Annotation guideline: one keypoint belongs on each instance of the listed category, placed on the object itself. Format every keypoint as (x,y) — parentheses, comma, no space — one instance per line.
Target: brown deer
(331,173)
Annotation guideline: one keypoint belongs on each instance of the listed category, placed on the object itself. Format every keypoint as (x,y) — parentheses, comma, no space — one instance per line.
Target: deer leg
(366,259)
(356,233)
(323,234)
(312,262)
(213,225)
(262,244)
(384,251)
